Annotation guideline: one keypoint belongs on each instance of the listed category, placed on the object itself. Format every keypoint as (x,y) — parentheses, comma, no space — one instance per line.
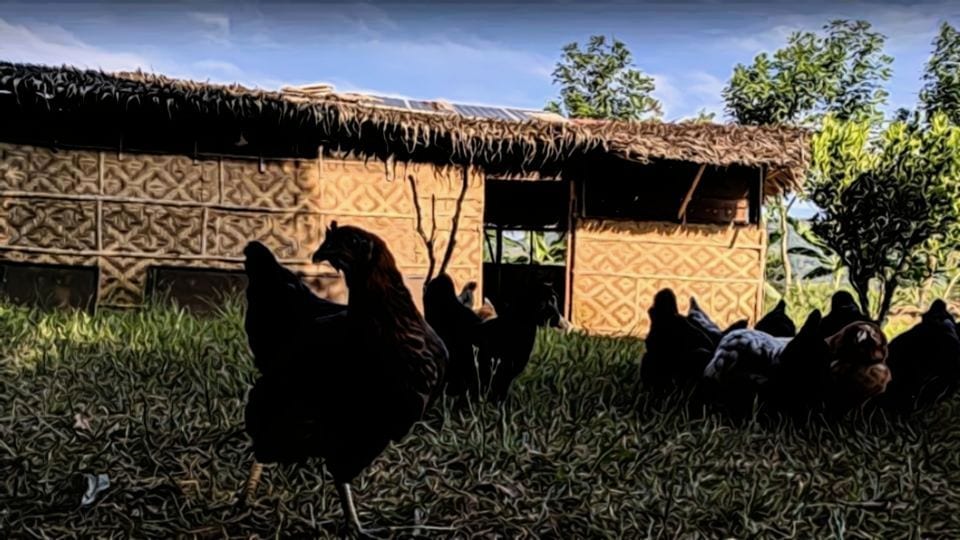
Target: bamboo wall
(125,212)
(619,266)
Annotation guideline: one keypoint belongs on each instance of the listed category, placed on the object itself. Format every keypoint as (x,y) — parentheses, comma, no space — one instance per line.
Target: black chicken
(777,323)
(924,361)
(466,295)
(843,311)
(676,349)
(801,379)
(699,318)
(456,324)
(358,377)
(504,343)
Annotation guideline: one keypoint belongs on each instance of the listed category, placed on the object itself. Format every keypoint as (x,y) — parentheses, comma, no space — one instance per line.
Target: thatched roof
(68,103)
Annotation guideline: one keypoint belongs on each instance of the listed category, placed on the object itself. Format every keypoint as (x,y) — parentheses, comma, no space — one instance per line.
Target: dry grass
(581,451)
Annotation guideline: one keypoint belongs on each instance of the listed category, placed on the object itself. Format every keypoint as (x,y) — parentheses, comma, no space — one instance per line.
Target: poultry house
(457,325)
(359,377)
(925,361)
(777,323)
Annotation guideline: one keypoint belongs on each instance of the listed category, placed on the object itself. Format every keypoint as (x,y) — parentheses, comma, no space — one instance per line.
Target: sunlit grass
(581,450)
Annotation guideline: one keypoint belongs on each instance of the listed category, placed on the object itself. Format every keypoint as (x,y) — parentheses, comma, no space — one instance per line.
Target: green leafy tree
(884,200)
(841,72)
(702,117)
(600,81)
(941,89)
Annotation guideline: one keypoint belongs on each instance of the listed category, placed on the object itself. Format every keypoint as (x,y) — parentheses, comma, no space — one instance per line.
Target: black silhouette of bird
(925,361)
(701,320)
(457,325)
(801,380)
(467,294)
(843,311)
(777,323)
(505,342)
(677,350)
(358,379)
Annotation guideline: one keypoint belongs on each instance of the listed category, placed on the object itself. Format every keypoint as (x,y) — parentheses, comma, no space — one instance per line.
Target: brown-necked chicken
(356,378)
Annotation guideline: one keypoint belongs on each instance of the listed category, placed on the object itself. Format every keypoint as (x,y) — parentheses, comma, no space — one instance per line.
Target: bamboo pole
(686,200)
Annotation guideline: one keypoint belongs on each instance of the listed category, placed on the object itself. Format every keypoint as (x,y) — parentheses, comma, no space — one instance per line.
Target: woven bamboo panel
(290,235)
(59,224)
(44,170)
(127,212)
(161,177)
(378,197)
(619,267)
(271,184)
(150,229)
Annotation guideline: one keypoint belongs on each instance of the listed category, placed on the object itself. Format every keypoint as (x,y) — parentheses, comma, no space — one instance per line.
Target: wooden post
(568,281)
(758,308)
(682,215)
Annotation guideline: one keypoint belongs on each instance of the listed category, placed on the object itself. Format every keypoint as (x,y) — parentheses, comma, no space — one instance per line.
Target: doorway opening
(526,237)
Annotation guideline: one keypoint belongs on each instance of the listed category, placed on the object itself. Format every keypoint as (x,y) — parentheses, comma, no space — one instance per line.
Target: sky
(495,52)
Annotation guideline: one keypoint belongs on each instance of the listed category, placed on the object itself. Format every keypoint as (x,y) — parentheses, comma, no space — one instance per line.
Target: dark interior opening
(656,191)
(526,224)
(50,286)
(200,290)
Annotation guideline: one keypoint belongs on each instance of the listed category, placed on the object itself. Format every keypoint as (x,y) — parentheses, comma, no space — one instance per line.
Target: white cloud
(216,26)
(53,45)
(671,99)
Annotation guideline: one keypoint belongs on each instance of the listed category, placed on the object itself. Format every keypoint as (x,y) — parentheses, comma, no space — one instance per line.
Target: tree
(840,73)
(703,117)
(883,200)
(601,82)
(941,89)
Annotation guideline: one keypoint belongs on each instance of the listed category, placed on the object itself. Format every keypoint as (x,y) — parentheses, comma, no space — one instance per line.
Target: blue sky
(495,52)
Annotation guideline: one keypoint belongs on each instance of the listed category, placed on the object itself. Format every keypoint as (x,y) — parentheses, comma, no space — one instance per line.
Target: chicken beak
(322,254)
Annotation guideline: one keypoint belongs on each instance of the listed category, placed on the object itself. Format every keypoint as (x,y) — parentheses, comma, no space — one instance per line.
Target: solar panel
(470,111)
(418,105)
(477,111)
(393,102)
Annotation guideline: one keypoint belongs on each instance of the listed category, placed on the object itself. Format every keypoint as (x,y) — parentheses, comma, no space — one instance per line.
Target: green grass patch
(581,451)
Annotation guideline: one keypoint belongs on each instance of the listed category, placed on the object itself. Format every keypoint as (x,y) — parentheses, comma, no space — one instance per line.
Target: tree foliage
(599,81)
(941,89)
(884,201)
(841,72)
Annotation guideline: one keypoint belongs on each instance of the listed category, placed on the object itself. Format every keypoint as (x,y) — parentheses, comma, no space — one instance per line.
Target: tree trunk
(928,282)
(949,290)
(863,294)
(888,289)
(785,245)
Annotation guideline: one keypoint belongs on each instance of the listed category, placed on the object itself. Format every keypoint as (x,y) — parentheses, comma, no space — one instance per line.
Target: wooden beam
(686,200)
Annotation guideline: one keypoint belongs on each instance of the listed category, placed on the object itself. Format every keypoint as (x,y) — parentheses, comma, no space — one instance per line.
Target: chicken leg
(349,510)
(253,481)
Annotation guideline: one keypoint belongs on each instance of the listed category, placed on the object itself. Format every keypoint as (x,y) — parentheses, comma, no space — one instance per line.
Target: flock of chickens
(340,382)
(832,364)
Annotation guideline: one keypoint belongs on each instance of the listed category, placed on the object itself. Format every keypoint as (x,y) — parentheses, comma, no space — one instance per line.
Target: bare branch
(427,242)
(455,222)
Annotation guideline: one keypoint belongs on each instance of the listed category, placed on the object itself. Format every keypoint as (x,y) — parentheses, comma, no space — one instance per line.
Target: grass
(581,451)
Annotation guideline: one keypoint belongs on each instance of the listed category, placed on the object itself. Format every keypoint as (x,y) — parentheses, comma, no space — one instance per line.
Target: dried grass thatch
(76,102)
